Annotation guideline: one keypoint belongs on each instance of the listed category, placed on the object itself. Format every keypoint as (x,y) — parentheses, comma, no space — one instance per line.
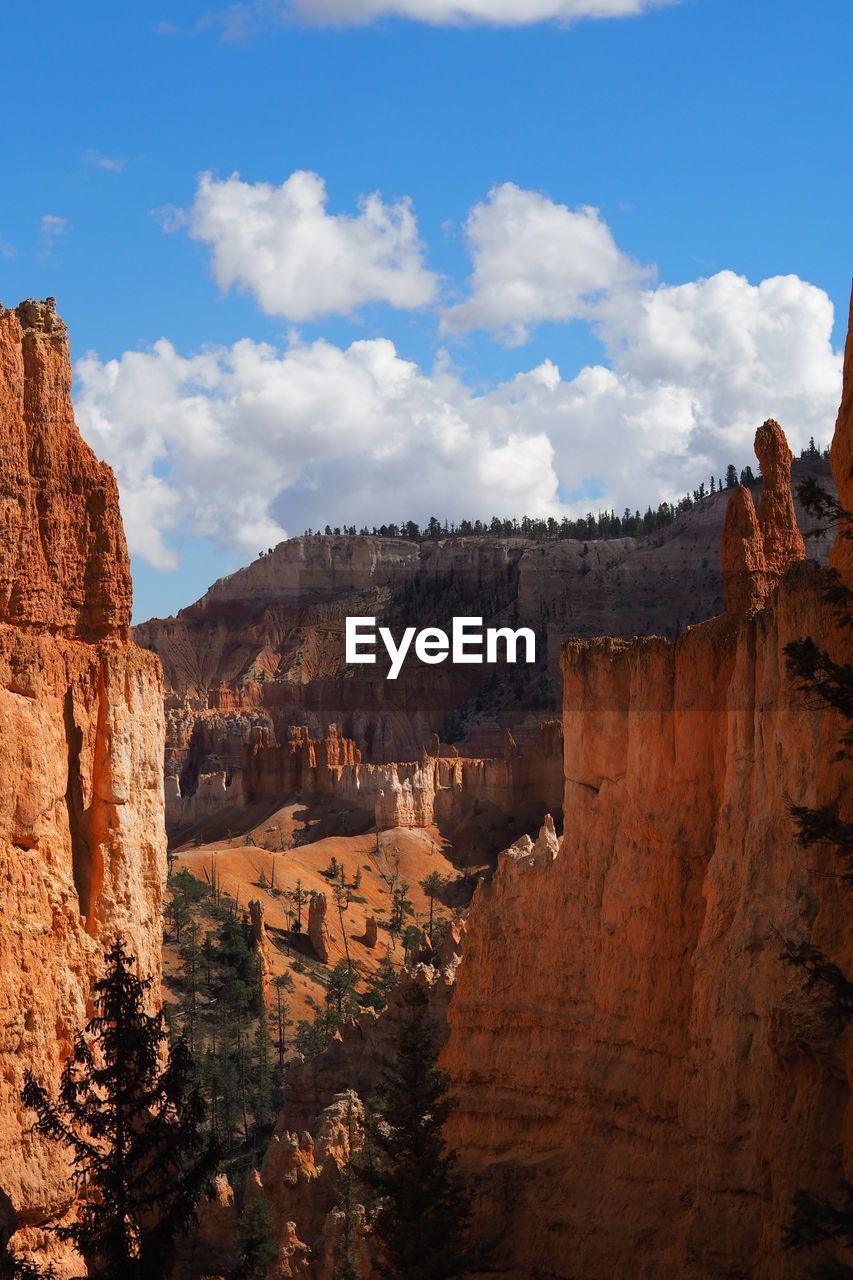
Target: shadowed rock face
(642,1083)
(82,847)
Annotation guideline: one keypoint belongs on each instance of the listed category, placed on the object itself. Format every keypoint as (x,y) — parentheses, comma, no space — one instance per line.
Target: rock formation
(261,655)
(371,932)
(318,929)
(300,1179)
(758,547)
(780,535)
(63,562)
(258,937)
(82,843)
(746,579)
(523,781)
(642,1082)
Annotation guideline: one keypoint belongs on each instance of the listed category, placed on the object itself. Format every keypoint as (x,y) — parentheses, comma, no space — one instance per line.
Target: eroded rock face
(63,562)
(744,568)
(262,653)
(643,1084)
(318,928)
(757,548)
(300,1179)
(780,535)
(82,843)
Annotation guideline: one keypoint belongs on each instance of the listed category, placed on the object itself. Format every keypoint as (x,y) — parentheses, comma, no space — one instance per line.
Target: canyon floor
(244,869)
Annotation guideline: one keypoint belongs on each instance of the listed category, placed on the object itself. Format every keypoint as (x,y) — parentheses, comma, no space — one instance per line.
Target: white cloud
(242,19)
(112,164)
(452,12)
(245,444)
(299,261)
(535,260)
(51,229)
(52,226)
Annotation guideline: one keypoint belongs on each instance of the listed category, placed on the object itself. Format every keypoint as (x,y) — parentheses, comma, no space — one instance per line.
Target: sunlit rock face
(643,1083)
(82,844)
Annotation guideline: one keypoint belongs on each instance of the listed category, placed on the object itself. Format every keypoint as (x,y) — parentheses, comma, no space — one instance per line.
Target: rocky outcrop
(258,936)
(758,547)
(746,578)
(370,936)
(82,845)
(642,1082)
(780,535)
(522,784)
(63,561)
(318,929)
(300,1179)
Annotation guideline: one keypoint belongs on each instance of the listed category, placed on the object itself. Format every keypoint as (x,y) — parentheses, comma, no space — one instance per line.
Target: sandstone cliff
(263,650)
(82,853)
(643,1084)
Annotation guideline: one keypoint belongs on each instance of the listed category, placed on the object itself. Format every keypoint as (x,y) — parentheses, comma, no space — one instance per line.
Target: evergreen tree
(341,993)
(432,887)
(422,1210)
(282,982)
(401,906)
(132,1121)
(379,985)
(256,1248)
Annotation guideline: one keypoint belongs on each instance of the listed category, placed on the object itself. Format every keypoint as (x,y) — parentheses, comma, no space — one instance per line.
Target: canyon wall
(263,650)
(82,843)
(643,1083)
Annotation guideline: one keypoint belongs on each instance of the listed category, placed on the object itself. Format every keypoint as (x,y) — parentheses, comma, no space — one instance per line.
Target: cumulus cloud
(248,443)
(242,19)
(299,261)
(535,260)
(239,444)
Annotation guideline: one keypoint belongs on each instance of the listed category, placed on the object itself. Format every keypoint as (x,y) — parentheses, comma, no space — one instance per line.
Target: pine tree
(341,993)
(432,887)
(132,1122)
(422,1210)
(256,1247)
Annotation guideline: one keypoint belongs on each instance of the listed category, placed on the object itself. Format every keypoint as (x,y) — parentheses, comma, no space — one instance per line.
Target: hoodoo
(643,1083)
(82,843)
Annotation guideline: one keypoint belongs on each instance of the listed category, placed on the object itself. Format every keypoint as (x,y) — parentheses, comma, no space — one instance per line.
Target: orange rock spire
(757,548)
(63,560)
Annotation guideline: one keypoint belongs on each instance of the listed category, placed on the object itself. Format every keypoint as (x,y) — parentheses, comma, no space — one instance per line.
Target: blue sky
(710,138)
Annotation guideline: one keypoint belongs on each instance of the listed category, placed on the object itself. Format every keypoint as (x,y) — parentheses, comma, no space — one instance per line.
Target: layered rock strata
(82,843)
(643,1083)
(263,650)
